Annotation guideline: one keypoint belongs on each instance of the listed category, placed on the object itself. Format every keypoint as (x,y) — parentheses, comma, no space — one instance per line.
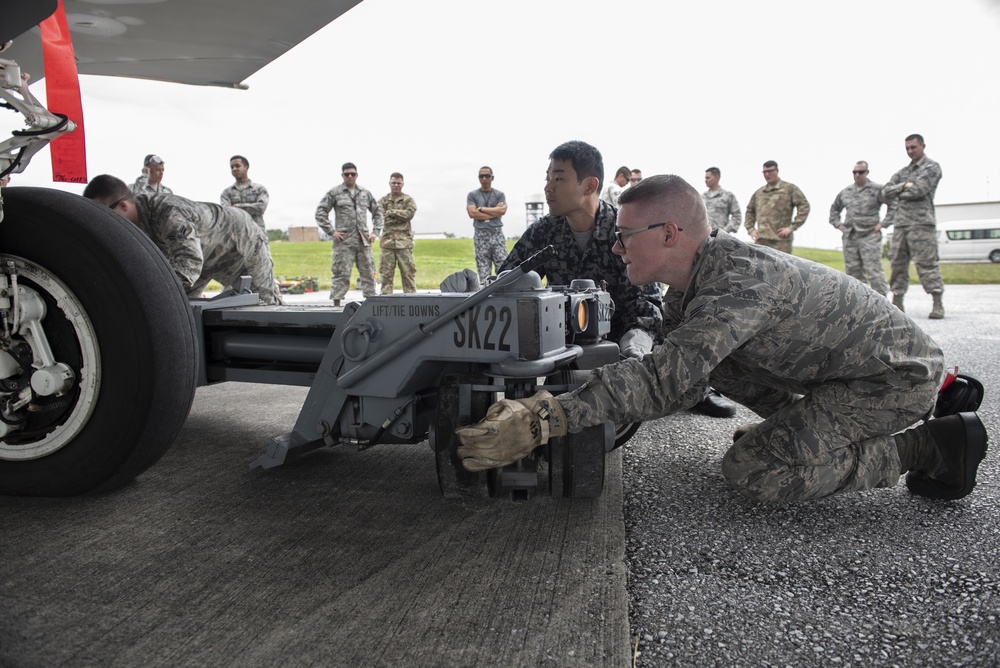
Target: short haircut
(396,175)
(714,170)
(671,193)
(919,138)
(586,160)
(771,163)
(862,162)
(106,189)
(246,163)
(348,165)
(623,171)
(635,171)
(486,167)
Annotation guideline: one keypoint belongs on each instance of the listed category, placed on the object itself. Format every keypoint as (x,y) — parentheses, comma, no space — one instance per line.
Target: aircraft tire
(117,316)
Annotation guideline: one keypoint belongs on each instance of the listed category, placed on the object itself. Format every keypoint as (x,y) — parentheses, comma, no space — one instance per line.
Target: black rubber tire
(624,432)
(576,463)
(995,256)
(454,480)
(144,329)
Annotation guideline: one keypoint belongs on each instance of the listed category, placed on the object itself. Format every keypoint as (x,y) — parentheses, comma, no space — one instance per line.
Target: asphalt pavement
(346,559)
(877,578)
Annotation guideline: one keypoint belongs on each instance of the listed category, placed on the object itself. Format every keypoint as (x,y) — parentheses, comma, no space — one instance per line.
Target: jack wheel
(458,406)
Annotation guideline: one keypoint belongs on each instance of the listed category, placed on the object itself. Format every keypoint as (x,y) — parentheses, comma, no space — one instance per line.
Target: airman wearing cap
(150,182)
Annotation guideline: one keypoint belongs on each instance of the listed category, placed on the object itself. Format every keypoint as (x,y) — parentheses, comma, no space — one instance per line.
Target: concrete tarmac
(338,559)
(346,559)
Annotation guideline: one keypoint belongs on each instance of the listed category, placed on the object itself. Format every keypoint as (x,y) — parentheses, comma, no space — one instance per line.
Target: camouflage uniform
(833,368)
(349,212)
(862,244)
(611,194)
(770,208)
(635,307)
(397,242)
(205,241)
(915,236)
(251,197)
(723,210)
(142,187)
(488,239)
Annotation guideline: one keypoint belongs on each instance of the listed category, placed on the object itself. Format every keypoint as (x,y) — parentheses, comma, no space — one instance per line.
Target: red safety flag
(62,86)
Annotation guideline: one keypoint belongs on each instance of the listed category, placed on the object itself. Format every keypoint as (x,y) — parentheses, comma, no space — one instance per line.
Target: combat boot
(937,312)
(897,301)
(942,455)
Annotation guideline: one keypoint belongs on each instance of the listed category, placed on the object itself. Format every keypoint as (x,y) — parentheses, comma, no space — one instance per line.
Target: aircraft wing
(200,42)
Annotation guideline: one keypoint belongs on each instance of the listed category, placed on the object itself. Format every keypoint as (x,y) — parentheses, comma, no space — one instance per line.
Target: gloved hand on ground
(511,429)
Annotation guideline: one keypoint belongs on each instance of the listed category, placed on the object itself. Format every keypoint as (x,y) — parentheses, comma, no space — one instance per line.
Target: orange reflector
(582,316)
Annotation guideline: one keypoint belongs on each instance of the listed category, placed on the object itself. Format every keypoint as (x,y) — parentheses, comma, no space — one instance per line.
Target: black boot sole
(963,396)
(976,440)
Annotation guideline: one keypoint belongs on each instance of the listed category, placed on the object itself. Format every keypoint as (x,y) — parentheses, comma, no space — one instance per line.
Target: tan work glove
(511,429)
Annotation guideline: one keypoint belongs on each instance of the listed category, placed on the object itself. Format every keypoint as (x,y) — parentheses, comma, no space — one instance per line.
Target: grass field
(436,258)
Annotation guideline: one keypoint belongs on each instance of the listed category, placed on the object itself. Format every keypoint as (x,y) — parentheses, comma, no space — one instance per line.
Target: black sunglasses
(859,171)
(486,176)
(350,173)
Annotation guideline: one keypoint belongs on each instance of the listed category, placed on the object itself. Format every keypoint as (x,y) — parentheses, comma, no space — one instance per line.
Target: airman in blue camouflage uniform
(201,241)
(396,246)
(833,369)
(352,242)
(910,197)
(769,212)
(722,206)
(485,207)
(861,228)
(614,189)
(244,193)
(150,182)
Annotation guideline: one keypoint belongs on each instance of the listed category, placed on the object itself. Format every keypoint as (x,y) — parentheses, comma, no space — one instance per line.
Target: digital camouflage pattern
(833,369)
(388,260)
(611,193)
(350,218)
(349,212)
(911,212)
(396,246)
(142,187)
(346,254)
(397,212)
(635,307)
(490,248)
(205,241)
(862,244)
(916,243)
(862,204)
(723,210)
(770,208)
(913,205)
(251,197)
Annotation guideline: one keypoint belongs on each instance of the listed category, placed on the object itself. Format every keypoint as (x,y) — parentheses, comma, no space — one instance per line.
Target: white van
(969,240)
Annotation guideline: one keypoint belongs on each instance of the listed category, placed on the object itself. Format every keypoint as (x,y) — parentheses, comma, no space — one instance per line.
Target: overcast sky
(437,89)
